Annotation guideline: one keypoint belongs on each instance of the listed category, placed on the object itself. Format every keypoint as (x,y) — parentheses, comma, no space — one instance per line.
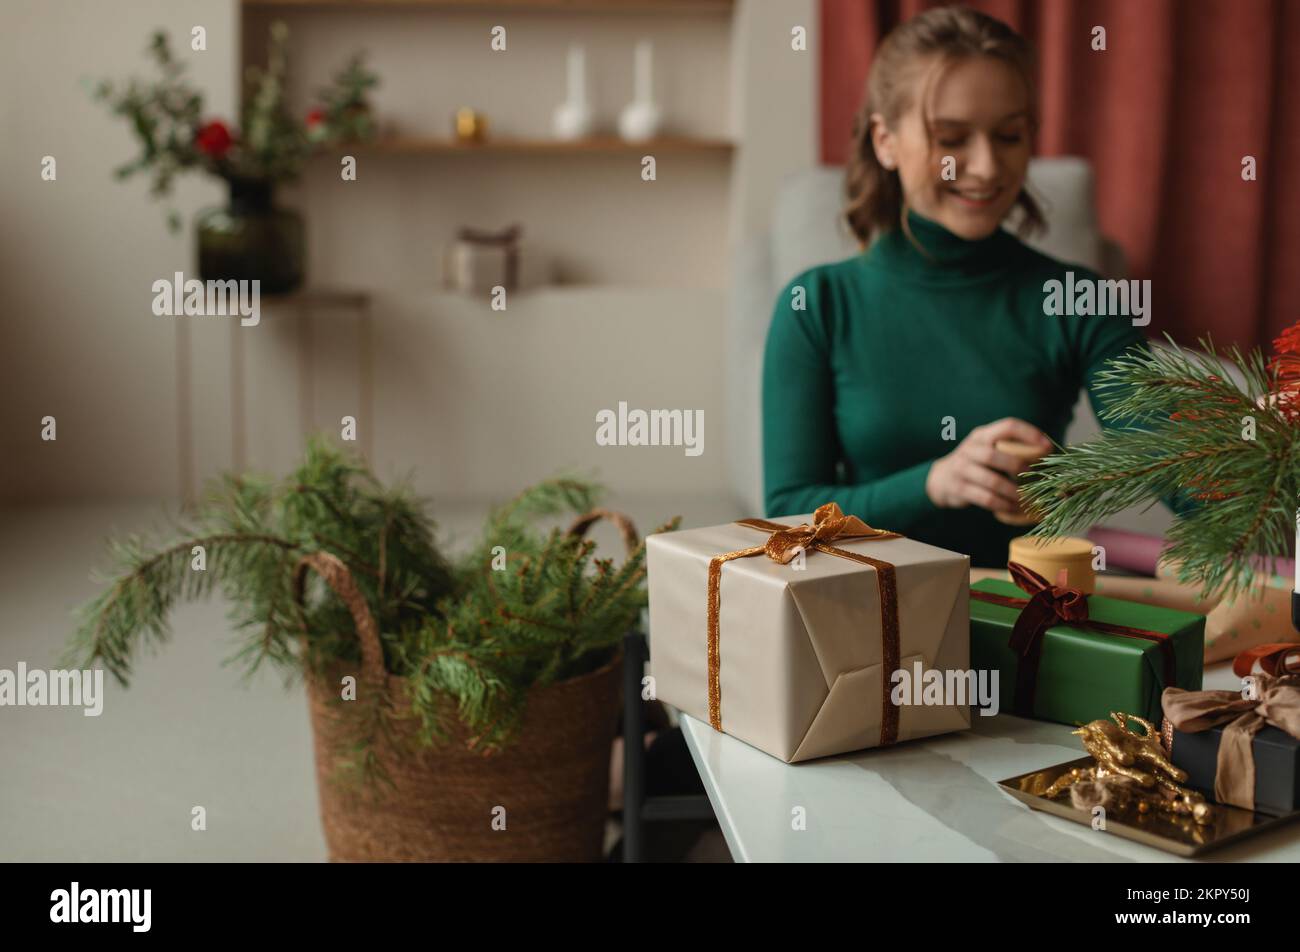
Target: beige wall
(776,104)
(477,402)
(79,254)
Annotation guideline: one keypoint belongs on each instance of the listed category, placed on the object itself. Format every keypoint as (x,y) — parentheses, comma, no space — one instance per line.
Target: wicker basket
(548,788)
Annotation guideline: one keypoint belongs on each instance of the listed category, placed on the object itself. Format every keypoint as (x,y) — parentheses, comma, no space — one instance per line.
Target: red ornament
(315,117)
(214,139)
(1285,367)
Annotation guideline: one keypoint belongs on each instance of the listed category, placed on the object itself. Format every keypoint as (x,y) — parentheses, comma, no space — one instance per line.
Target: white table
(928,800)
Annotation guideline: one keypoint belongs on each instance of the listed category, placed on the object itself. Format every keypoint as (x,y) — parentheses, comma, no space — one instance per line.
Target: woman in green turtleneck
(888,378)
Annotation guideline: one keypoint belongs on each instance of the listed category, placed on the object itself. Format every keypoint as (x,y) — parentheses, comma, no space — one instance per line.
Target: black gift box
(1277,765)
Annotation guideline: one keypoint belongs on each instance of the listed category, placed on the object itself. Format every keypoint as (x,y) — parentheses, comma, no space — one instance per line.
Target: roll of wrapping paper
(1155,591)
(1130,551)
(1148,591)
(1140,552)
(1260,615)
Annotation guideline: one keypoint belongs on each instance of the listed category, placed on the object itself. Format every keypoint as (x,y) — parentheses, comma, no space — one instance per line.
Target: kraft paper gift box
(1083,674)
(802,667)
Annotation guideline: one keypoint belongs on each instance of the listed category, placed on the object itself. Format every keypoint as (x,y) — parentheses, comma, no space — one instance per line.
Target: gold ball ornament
(471,125)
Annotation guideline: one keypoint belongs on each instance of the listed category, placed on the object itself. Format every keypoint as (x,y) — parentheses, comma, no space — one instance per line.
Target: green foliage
(524,608)
(345,108)
(530,609)
(166,114)
(1181,424)
(273,146)
(254,533)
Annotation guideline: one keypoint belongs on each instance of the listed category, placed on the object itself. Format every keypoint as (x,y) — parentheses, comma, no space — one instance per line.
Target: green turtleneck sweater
(859,383)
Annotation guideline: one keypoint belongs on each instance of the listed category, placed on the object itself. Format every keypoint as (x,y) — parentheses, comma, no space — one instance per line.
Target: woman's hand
(973,473)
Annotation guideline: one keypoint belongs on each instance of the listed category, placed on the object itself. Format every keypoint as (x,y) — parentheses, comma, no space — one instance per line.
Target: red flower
(213,138)
(315,117)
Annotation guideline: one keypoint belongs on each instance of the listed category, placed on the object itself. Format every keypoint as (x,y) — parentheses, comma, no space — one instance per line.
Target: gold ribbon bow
(1276,702)
(829,524)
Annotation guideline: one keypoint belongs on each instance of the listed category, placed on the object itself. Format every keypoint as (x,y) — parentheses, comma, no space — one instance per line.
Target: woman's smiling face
(979,115)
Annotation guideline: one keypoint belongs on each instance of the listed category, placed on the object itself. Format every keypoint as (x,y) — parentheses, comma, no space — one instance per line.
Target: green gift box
(1085,674)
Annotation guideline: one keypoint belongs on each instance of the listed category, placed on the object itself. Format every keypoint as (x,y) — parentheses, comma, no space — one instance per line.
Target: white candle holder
(573,118)
(1295,589)
(640,120)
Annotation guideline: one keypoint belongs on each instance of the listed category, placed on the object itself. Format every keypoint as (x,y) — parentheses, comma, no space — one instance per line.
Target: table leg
(366,381)
(238,400)
(184,421)
(306,383)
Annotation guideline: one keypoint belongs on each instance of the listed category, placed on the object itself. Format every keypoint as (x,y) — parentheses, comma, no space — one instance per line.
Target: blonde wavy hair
(943,36)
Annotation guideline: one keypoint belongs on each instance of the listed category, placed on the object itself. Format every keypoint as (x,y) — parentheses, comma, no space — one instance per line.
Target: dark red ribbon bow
(1050,605)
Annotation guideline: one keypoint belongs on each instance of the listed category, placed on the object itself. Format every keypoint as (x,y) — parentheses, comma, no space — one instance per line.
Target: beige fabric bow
(1277,702)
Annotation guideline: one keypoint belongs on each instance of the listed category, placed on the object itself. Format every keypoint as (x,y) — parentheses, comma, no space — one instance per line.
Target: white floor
(188,732)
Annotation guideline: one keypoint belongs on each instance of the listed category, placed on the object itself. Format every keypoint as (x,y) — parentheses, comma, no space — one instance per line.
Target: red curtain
(1183,92)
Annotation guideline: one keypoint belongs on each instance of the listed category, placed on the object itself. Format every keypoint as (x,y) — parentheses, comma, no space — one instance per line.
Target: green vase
(252,240)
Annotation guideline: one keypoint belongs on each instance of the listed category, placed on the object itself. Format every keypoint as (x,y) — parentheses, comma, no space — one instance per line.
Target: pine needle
(1183,429)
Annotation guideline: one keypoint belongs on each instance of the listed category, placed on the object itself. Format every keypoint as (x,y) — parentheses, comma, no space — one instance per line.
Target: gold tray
(1179,835)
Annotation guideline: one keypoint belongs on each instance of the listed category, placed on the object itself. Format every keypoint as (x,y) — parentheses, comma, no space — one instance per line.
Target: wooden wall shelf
(541,6)
(413,145)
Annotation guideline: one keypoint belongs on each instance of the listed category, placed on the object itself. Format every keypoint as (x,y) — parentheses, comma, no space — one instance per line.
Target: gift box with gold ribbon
(787,633)
(1073,658)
